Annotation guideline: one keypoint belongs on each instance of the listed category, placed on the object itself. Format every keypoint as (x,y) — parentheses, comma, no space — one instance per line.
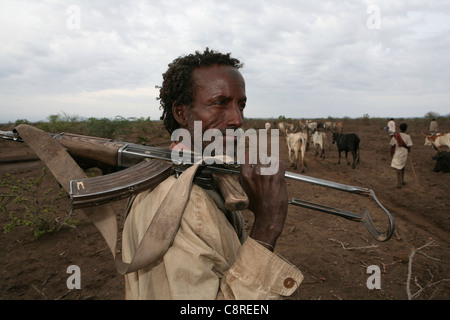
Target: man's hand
(268,200)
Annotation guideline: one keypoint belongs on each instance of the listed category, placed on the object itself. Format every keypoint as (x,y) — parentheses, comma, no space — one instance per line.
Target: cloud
(302,58)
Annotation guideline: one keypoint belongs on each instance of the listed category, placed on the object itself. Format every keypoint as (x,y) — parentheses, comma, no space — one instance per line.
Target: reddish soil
(333,253)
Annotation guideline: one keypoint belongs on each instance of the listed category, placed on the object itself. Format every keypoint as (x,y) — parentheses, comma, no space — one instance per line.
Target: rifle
(10,135)
(140,167)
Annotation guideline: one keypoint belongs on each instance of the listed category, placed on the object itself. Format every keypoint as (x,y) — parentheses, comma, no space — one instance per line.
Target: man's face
(219,100)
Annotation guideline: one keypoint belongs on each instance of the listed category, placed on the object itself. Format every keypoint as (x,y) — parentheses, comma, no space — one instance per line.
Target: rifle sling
(400,141)
(161,231)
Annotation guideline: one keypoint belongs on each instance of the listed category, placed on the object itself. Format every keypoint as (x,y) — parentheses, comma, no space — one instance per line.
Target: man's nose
(235,116)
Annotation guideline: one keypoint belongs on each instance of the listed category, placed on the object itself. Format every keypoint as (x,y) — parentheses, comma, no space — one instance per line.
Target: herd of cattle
(298,136)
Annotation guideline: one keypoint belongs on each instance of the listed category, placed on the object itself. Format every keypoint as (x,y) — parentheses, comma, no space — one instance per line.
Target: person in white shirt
(391,127)
(433,127)
(401,143)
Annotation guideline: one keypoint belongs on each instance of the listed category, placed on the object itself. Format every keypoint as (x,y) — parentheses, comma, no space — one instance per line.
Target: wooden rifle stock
(93,148)
(145,167)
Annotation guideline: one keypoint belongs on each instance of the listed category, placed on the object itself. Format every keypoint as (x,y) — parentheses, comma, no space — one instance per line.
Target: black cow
(442,162)
(347,143)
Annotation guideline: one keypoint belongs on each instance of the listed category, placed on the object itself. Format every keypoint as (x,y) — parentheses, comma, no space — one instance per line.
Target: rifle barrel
(10,135)
(328,184)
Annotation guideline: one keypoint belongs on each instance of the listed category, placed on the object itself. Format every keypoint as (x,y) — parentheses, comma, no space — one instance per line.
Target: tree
(431,114)
(281,118)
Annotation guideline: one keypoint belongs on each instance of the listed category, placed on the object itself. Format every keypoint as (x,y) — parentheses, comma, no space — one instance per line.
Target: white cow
(319,142)
(312,125)
(286,128)
(267,126)
(282,127)
(296,142)
(439,140)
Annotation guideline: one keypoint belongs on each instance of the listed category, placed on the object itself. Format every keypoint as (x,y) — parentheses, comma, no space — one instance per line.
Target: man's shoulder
(164,187)
(404,134)
(160,191)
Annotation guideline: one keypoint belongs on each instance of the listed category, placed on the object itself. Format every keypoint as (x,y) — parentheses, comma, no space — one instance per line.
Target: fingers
(263,165)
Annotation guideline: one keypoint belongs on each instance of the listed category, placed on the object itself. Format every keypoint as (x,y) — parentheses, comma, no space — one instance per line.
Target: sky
(302,59)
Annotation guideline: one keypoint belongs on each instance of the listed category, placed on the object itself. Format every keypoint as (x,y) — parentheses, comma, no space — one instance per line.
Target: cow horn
(423,133)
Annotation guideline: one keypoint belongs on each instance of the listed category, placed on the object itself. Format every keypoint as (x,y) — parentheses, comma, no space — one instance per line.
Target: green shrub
(107,128)
(30,203)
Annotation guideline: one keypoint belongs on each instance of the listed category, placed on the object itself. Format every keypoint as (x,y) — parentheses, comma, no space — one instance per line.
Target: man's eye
(219,102)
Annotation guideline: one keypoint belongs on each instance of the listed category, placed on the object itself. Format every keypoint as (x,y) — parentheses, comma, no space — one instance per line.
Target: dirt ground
(333,253)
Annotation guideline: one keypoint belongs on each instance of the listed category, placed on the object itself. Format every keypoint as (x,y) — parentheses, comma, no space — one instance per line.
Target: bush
(58,123)
(106,128)
(28,203)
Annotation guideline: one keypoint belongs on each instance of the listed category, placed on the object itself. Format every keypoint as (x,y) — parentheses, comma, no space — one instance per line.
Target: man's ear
(180,112)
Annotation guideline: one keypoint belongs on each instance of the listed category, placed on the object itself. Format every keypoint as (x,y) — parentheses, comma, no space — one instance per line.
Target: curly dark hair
(178,84)
(403,127)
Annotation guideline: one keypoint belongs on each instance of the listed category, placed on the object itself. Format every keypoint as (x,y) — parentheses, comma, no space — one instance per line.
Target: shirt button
(289,283)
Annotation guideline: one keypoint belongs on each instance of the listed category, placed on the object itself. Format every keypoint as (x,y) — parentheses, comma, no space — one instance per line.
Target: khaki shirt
(207,259)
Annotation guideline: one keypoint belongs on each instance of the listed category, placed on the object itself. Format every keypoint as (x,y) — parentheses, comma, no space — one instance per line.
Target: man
(391,127)
(401,144)
(433,127)
(211,257)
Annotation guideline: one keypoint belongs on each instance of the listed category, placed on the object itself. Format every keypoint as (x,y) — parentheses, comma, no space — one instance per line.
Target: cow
(333,126)
(286,128)
(290,128)
(439,140)
(442,162)
(282,127)
(267,126)
(337,126)
(302,125)
(347,143)
(327,125)
(319,142)
(308,127)
(312,125)
(296,142)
